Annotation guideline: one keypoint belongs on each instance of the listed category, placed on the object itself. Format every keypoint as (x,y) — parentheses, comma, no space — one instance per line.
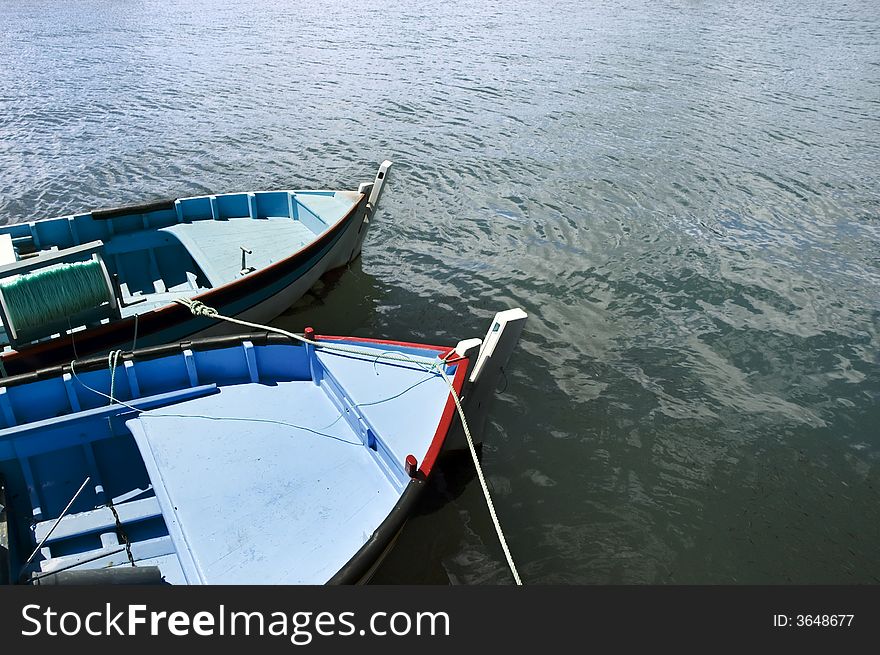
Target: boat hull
(342,253)
(258,297)
(164,476)
(318,447)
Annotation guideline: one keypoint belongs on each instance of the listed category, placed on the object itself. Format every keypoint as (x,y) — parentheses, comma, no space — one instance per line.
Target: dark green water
(683,195)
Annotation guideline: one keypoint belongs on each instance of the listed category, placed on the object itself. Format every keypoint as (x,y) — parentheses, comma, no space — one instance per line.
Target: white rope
(489,504)
(112,359)
(198,308)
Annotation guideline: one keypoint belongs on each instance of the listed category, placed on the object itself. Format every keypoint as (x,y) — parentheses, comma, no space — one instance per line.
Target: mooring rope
(489,504)
(112,359)
(198,308)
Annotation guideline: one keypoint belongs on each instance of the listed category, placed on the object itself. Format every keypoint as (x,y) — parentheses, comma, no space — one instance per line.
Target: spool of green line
(54,293)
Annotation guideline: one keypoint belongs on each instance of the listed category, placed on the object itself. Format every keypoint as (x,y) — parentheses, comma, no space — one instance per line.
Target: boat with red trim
(233,460)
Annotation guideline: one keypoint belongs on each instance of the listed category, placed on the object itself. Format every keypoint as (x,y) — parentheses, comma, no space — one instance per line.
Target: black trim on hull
(126,210)
(151,352)
(369,555)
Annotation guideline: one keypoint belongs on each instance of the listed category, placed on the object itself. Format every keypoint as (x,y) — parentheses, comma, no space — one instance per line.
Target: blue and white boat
(233,459)
(94,282)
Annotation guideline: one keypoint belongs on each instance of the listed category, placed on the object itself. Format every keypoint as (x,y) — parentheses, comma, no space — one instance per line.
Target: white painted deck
(216,245)
(259,500)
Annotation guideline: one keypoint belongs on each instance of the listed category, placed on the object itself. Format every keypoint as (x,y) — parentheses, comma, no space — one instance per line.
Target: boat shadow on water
(342,301)
(454,473)
(413,560)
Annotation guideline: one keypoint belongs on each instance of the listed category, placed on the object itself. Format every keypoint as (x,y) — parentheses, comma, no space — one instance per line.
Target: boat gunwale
(257,338)
(147,353)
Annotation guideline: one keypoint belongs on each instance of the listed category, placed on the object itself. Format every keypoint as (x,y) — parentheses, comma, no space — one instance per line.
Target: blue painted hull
(331,226)
(229,461)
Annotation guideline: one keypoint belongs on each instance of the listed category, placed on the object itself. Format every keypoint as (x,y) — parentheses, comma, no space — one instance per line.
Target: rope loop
(197,307)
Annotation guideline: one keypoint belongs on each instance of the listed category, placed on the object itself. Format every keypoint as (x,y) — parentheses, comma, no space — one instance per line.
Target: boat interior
(151,255)
(230,465)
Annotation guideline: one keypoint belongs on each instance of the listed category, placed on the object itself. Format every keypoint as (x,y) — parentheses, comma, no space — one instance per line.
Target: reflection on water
(342,301)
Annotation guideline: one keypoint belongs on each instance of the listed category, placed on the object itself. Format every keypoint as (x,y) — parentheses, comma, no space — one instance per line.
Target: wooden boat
(235,459)
(103,280)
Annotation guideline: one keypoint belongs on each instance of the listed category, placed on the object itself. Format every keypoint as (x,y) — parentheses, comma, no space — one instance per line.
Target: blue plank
(148,402)
(404,399)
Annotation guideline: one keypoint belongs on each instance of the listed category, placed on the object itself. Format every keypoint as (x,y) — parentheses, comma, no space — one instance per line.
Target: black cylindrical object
(134,575)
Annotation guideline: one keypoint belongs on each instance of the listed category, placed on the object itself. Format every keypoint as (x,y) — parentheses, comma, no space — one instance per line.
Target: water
(683,195)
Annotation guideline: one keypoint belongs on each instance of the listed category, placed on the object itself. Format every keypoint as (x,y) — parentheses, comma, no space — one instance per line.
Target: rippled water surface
(683,195)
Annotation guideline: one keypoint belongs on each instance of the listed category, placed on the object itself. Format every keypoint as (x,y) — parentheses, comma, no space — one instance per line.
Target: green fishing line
(54,293)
